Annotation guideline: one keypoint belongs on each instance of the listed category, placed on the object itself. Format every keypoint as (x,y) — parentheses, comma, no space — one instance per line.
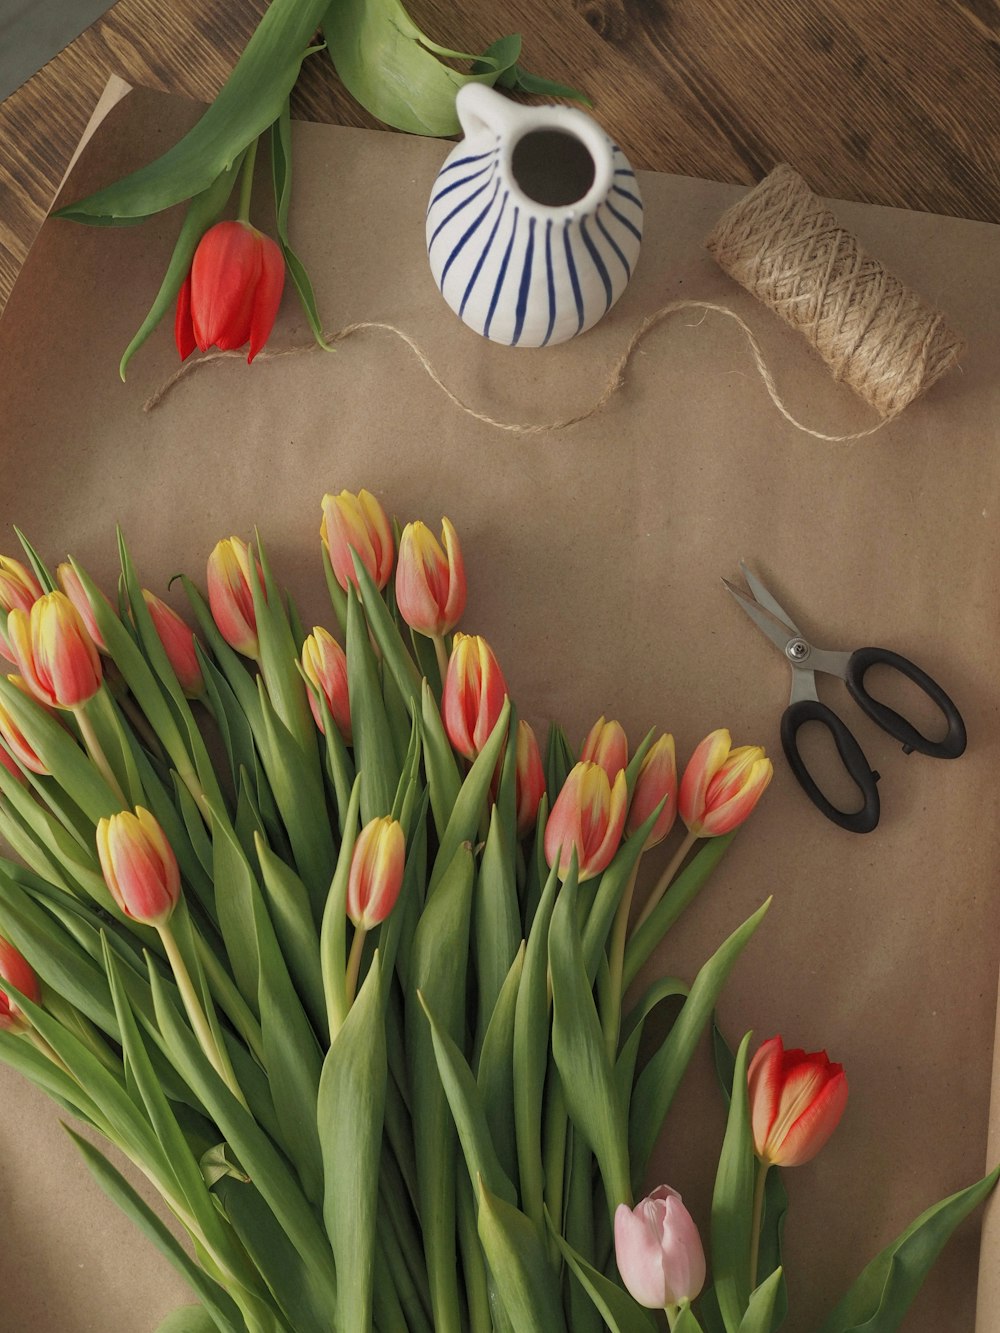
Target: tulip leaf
(203,210)
(619,1311)
(288,907)
(333,930)
(883,1292)
(761,1313)
(732,1203)
(279,653)
(657,1085)
(443,780)
(528,1285)
(41,571)
(387,634)
(579,1051)
(281,167)
(250,101)
(350,1114)
(374,750)
(225,1314)
(666,988)
(26,1059)
(496,919)
(609,892)
(188,1319)
(495,1072)
(683,892)
(559,759)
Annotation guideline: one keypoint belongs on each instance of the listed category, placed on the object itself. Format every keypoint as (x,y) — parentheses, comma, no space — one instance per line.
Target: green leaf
(350,1112)
(657,1084)
(374,751)
(288,906)
(495,1073)
(188,1319)
(527,1283)
(609,891)
(732,1204)
(883,1292)
(235,889)
(496,919)
(760,1315)
(204,210)
(387,635)
(251,99)
(281,166)
(619,1311)
(443,779)
(559,759)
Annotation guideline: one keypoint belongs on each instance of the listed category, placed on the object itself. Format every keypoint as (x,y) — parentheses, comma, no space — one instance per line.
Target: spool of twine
(788,250)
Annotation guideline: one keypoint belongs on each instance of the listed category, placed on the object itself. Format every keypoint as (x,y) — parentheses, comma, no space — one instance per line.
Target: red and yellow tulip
(588,817)
(230,596)
(18,588)
(324,663)
(606,744)
(796,1101)
(54,653)
(430,581)
(530,778)
(139,866)
(15,969)
(357,523)
(721,785)
(473,695)
(656,782)
(376,874)
(178,641)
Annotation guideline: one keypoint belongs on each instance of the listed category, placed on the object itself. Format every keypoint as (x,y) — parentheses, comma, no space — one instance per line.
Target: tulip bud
(607,745)
(69,580)
(657,781)
(530,778)
(796,1101)
(430,585)
(231,296)
(588,817)
(15,969)
(55,654)
(376,872)
(357,523)
(721,786)
(658,1250)
(139,866)
(230,596)
(18,588)
(473,695)
(14,739)
(178,641)
(325,665)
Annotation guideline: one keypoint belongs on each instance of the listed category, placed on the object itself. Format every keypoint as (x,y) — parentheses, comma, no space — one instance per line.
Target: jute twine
(787,249)
(790,252)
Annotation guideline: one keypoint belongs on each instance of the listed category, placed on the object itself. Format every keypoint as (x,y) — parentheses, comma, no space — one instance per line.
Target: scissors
(804,705)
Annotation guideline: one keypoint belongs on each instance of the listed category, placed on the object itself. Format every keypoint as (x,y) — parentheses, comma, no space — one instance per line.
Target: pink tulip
(588,817)
(325,665)
(230,596)
(658,1250)
(376,875)
(607,745)
(721,786)
(139,866)
(178,641)
(18,588)
(430,582)
(54,653)
(357,523)
(796,1101)
(657,781)
(473,696)
(530,779)
(69,580)
(15,969)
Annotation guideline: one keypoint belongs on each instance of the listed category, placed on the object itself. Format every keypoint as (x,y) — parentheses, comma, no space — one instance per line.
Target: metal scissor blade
(766,600)
(773,626)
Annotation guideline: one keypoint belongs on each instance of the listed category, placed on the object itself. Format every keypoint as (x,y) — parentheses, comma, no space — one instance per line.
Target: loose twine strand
(788,250)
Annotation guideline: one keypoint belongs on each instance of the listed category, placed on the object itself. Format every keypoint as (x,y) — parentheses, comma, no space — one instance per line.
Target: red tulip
(178,641)
(657,781)
(357,523)
(530,779)
(230,596)
(658,1250)
(325,665)
(588,817)
(55,654)
(721,786)
(796,1101)
(18,588)
(15,969)
(232,294)
(473,695)
(376,874)
(139,866)
(430,582)
(607,745)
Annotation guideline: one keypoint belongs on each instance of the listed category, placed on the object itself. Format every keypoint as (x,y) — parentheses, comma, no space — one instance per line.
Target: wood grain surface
(886,101)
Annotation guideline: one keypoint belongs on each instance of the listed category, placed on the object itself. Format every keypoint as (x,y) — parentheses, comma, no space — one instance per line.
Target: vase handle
(481,108)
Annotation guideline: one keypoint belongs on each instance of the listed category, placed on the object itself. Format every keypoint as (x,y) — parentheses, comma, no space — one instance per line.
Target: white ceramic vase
(534,222)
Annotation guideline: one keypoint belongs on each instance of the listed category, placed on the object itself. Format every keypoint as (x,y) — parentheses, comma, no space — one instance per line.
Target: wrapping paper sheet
(594,558)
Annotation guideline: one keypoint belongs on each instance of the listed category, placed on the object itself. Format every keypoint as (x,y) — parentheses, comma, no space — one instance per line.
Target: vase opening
(552,167)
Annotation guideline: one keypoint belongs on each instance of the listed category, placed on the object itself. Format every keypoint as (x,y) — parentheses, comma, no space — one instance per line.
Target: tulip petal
(708,758)
(640,1260)
(183,328)
(267,297)
(810,1131)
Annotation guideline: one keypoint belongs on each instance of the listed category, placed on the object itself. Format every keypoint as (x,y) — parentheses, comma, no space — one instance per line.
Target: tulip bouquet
(309,929)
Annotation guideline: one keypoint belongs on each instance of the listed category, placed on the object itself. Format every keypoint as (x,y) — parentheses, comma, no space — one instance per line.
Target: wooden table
(887,101)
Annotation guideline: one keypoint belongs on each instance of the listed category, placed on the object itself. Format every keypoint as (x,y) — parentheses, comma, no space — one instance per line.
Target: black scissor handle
(857,766)
(889,720)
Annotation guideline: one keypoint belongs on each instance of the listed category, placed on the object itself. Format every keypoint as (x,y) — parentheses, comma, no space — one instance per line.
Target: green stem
(96,752)
(354,967)
(758,1217)
(216,1055)
(39,1041)
(229,998)
(673,1313)
(612,1015)
(442,656)
(246,184)
(664,882)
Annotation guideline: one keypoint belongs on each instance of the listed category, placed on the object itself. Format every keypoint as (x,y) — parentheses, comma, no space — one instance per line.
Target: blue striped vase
(534,221)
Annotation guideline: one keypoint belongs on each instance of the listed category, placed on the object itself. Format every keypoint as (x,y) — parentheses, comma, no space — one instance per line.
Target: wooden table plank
(870,99)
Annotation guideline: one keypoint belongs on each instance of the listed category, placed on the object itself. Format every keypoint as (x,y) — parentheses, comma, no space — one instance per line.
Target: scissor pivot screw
(797,650)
